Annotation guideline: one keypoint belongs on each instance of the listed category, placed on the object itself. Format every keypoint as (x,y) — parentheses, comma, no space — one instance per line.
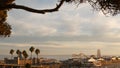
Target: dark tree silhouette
(5,28)
(31,50)
(37,51)
(27,65)
(11,52)
(106,6)
(25,55)
(18,52)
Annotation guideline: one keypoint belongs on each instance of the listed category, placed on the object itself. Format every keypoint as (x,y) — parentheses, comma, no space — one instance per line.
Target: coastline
(58,57)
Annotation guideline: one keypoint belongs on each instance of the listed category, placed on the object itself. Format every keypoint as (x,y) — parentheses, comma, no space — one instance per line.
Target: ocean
(58,57)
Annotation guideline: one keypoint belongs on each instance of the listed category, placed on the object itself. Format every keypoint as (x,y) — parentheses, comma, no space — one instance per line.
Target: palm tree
(18,52)
(11,52)
(25,55)
(31,49)
(37,51)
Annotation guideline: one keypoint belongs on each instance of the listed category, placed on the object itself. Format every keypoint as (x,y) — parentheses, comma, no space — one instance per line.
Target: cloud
(37,3)
(70,30)
(65,27)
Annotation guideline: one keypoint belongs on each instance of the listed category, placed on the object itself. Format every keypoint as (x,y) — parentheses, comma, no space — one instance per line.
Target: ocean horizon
(58,57)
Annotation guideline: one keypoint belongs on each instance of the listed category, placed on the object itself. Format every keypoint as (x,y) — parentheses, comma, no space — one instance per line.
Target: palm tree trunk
(24,61)
(11,56)
(37,58)
(31,55)
(31,58)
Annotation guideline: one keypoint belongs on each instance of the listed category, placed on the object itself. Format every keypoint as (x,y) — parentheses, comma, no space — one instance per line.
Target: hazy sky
(71,30)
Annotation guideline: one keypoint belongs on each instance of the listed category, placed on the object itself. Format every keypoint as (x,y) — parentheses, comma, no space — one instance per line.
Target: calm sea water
(58,57)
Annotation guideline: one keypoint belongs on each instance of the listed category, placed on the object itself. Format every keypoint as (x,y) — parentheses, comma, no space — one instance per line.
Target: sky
(71,30)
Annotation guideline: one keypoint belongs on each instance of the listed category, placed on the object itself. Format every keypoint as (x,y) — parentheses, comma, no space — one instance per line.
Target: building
(17,60)
(98,53)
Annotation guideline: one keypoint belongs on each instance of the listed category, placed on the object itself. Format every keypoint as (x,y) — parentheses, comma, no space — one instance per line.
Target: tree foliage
(106,6)
(5,28)
(18,52)
(37,51)
(11,52)
(25,54)
(31,49)
(27,65)
(111,7)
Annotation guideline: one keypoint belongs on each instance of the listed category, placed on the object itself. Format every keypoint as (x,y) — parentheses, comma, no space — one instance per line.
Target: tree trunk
(31,55)
(37,59)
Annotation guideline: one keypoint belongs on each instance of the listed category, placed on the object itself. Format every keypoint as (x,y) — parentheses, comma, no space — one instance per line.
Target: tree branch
(10,6)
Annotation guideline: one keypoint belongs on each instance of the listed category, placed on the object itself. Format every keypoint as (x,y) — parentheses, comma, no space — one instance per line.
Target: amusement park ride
(97,61)
(81,56)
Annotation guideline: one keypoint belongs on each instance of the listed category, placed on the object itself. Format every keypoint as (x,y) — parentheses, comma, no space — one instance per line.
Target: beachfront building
(35,63)
(17,60)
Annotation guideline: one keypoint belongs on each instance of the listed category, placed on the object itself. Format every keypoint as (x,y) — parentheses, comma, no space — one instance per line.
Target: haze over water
(58,57)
